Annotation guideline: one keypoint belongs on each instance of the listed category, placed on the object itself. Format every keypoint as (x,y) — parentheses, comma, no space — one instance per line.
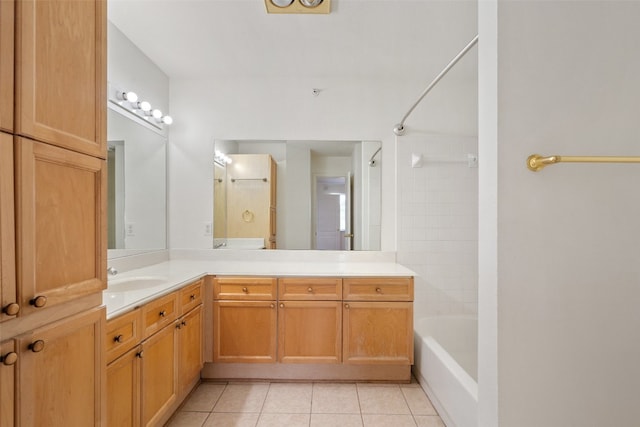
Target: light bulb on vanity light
(144,106)
(157,114)
(167,120)
(128,96)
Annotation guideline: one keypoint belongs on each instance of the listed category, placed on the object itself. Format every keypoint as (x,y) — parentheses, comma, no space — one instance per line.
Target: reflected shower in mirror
(136,166)
(326,195)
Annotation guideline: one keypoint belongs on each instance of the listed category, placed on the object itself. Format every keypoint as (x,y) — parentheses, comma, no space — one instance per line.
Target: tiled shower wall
(438,222)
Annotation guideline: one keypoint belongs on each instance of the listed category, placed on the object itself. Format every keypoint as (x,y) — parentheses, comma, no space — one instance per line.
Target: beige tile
(188,419)
(418,401)
(286,398)
(225,419)
(429,421)
(242,398)
(336,420)
(204,397)
(335,399)
(382,400)
(388,420)
(280,420)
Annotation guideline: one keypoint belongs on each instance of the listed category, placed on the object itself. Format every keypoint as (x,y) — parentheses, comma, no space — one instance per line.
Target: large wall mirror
(136,165)
(322,195)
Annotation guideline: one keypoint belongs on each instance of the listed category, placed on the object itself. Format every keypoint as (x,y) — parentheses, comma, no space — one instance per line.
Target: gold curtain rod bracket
(536,162)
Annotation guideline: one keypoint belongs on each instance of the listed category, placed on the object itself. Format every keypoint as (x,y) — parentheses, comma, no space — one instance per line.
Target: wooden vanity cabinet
(8,291)
(244,319)
(62,372)
(60,77)
(190,349)
(123,389)
(61,224)
(8,375)
(378,321)
(6,64)
(310,320)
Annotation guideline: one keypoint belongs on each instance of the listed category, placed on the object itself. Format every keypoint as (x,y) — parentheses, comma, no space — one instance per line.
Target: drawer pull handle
(379,290)
(192,297)
(9,359)
(11,309)
(162,313)
(37,346)
(309,289)
(139,354)
(245,290)
(39,301)
(117,338)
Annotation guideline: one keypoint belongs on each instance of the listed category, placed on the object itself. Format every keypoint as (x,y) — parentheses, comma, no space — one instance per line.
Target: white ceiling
(358,39)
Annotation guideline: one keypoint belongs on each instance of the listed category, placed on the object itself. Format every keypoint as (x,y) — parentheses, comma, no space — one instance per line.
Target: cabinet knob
(39,301)
(378,290)
(184,323)
(245,290)
(140,354)
(178,325)
(309,289)
(9,358)
(281,305)
(192,297)
(346,306)
(272,305)
(117,338)
(162,313)
(11,309)
(36,346)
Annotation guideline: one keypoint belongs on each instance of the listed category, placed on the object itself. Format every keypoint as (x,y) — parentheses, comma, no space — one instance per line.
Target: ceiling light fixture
(298,6)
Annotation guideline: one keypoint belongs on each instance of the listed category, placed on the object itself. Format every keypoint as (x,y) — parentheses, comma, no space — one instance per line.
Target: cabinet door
(244,331)
(190,348)
(159,379)
(8,359)
(310,332)
(378,332)
(6,64)
(8,297)
(61,224)
(63,372)
(61,73)
(123,390)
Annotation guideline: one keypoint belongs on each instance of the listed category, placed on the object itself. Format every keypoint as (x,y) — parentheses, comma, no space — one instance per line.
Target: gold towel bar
(536,162)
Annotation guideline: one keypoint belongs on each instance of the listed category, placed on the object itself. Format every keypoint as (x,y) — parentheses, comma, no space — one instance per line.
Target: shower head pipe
(372,161)
(399,128)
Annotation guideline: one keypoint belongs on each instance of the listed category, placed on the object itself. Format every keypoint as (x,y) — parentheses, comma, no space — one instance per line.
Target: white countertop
(173,274)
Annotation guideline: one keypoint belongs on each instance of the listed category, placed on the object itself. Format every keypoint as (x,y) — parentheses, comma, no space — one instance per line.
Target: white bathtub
(446,349)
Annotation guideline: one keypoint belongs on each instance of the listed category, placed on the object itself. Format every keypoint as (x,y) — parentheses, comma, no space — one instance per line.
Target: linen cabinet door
(159,375)
(244,331)
(61,73)
(123,390)
(191,360)
(61,224)
(6,64)
(8,296)
(310,332)
(8,375)
(62,372)
(378,333)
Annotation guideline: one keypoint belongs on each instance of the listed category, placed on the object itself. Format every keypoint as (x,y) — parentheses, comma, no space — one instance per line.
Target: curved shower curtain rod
(399,128)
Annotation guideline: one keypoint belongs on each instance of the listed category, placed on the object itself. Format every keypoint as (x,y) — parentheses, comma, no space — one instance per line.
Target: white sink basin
(134,283)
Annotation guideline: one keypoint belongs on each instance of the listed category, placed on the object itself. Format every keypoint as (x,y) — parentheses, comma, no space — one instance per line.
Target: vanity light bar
(130,102)
(298,6)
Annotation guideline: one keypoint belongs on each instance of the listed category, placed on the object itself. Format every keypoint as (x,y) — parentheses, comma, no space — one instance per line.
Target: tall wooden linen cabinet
(52,212)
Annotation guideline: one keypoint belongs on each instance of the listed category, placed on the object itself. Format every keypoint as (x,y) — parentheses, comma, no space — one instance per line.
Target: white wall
(567,238)
(438,222)
(285,109)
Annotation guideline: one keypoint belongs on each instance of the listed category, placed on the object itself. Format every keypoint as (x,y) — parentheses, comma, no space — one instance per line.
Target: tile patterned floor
(306,404)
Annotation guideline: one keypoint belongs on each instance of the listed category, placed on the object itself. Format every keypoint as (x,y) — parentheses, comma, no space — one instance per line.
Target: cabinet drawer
(310,288)
(378,289)
(158,313)
(245,288)
(123,333)
(191,296)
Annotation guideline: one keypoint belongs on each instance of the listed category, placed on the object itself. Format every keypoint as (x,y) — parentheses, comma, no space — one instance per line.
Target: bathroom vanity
(173,323)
